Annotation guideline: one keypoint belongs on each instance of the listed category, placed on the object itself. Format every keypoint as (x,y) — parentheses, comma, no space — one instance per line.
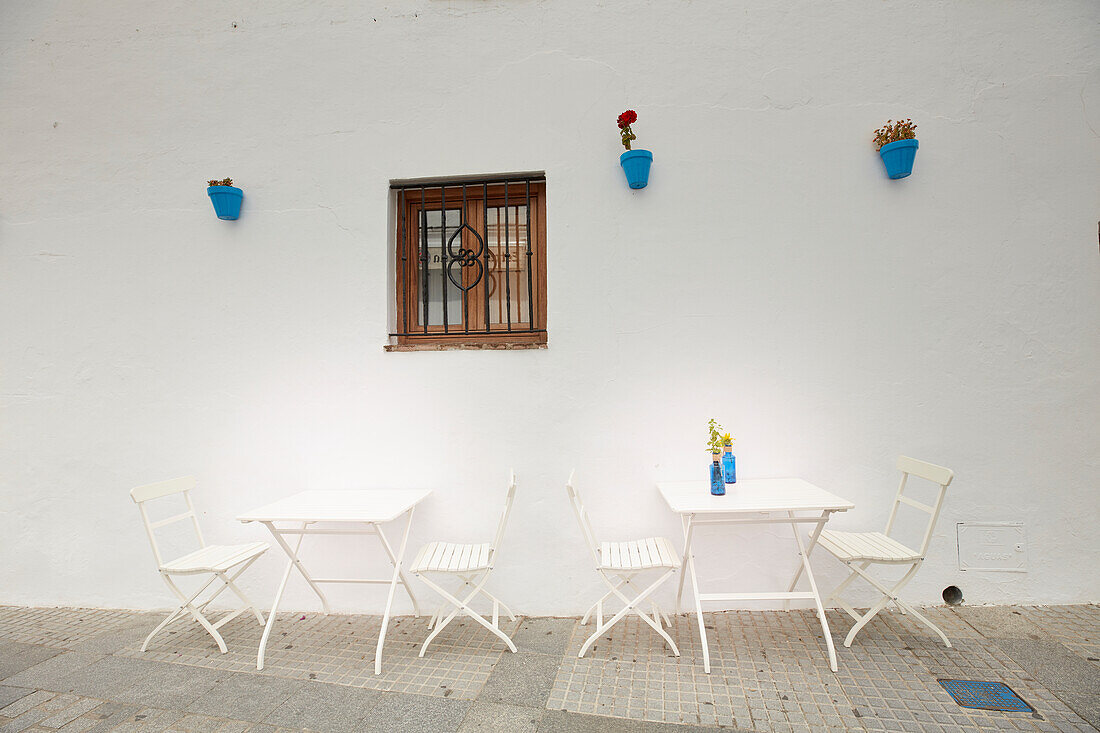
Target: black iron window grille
(470,262)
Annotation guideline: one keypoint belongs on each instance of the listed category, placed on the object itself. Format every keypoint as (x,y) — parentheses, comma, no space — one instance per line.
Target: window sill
(467,346)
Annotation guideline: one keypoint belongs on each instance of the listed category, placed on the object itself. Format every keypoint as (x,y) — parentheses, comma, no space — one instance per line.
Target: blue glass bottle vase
(717,486)
(729,467)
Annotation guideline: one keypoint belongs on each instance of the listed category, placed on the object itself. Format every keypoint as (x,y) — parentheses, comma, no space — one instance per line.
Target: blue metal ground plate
(985,695)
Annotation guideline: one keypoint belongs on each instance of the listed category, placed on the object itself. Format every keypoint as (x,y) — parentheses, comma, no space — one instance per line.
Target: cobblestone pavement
(72,669)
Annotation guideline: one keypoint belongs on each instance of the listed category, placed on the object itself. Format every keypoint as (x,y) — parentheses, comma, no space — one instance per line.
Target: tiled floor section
(340,649)
(769,674)
(58,627)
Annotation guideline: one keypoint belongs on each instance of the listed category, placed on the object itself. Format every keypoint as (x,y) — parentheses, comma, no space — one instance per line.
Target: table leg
(293,555)
(809,549)
(389,598)
(293,559)
(689,560)
(813,584)
(684,555)
(393,560)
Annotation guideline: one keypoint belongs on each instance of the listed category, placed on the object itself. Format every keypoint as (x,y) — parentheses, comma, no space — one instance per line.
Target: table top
(750,495)
(365,505)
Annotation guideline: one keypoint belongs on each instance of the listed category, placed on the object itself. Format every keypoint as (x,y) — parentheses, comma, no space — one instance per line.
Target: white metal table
(754,501)
(359,512)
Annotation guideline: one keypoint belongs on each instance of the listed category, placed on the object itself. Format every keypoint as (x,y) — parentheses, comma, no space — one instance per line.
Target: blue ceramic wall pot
(636,164)
(898,157)
(226,200)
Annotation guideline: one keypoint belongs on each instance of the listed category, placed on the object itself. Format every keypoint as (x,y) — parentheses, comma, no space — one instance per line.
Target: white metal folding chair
(859,550)
(214,560)
(472,564)
(617,563)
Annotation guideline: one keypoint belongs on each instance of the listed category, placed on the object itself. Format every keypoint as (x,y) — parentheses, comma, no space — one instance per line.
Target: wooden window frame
(480,195)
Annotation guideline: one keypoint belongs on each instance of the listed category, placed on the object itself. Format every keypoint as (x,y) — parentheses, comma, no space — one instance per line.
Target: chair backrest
(504,515)
(930,472)
(182,485)
(582,518)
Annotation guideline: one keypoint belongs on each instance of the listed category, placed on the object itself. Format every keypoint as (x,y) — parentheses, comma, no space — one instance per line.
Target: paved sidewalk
(77,670)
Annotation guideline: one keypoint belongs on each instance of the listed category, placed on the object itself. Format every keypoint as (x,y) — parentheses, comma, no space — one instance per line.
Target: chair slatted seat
(874,546)
(215,558)
(449,557)
(652,552)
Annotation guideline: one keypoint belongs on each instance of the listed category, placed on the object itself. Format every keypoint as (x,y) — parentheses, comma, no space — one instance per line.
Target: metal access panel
(992,546)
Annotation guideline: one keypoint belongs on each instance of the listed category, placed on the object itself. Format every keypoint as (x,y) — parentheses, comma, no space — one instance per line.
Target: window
(470,265)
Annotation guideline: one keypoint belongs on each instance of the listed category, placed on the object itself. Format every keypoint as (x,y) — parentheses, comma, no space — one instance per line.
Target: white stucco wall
(770,275)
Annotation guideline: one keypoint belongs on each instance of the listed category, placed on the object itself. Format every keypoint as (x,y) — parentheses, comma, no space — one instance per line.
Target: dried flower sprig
(626,119)
(715,439)
(226,182)
(892,131)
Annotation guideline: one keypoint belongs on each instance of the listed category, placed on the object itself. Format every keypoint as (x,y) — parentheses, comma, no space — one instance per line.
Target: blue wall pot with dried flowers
(636,164)
(898,157)
(226,200)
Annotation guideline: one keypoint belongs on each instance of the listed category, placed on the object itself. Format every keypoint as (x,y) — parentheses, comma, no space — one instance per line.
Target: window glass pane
(509,264)
(432,223)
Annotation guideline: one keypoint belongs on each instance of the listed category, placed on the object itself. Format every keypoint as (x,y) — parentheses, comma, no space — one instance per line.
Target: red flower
(627,118)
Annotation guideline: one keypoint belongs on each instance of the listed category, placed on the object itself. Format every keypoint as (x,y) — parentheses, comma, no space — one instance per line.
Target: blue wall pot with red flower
(898,157)
(636,164)
(226,200)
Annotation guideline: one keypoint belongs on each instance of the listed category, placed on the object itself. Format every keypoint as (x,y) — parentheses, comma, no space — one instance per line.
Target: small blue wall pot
(898,157)
(636,164)
(227,201)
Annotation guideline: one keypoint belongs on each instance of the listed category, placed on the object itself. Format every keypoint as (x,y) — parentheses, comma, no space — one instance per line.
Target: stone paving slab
(489,717)
(16,656)
(396,713)
(1054,666)
(245,696)
(523,678)
(324,707)
(47,675)
(544,635)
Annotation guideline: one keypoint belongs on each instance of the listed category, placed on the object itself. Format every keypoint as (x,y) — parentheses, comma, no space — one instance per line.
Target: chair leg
(852,575)
(920,617)
(595,606)
(435,616)
(658,615)
(871,613)
(507,611)
(462,606)
(496,601)
(438,615)
(196,614)
(888,594)
(632,606)
(229,581)
(171,617)
(179,611)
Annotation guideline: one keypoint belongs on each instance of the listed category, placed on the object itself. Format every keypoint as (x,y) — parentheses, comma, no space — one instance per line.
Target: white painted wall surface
(770,276)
